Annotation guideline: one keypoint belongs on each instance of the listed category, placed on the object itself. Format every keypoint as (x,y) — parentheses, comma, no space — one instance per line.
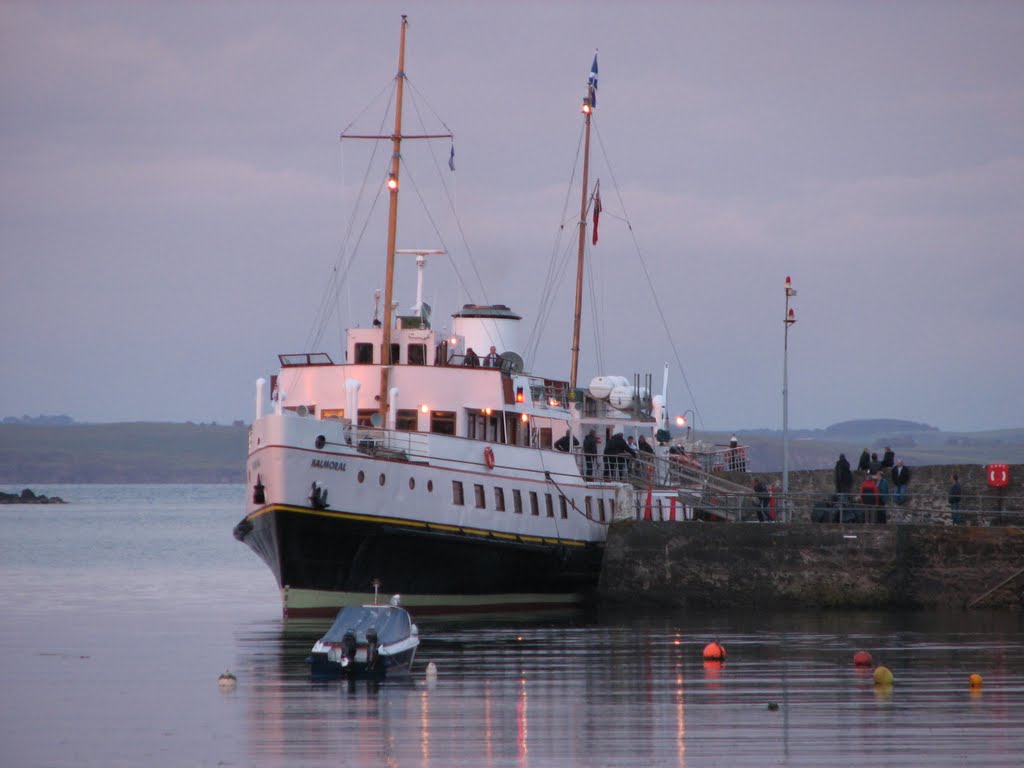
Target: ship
(435,465)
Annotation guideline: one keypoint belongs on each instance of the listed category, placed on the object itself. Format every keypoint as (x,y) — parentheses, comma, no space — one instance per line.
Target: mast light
(392,182)
(586,107)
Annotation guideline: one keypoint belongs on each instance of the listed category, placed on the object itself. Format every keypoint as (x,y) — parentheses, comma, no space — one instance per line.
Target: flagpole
(588,107)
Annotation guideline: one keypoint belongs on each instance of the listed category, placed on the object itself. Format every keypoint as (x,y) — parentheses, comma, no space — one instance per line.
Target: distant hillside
(876,426)
(139,452)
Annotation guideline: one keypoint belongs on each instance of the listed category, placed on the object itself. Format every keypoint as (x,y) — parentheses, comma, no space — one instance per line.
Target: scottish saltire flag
(451,158)
(592,83)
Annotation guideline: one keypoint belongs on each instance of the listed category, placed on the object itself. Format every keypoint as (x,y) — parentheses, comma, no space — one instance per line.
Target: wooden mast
(577,313)
(389,278)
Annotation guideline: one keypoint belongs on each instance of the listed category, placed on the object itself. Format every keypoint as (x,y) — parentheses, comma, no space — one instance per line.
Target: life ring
(489,457)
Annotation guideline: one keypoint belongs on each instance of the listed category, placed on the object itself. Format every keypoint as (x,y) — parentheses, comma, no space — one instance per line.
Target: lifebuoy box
(998,475)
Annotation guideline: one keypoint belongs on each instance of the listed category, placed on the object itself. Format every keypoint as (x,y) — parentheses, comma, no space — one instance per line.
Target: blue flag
(592,83)
(451,158)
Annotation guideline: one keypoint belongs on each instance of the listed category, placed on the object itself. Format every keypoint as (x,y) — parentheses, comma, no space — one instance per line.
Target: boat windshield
(391,624)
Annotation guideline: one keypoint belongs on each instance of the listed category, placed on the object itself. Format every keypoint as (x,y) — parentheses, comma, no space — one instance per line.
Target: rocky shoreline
(27,496)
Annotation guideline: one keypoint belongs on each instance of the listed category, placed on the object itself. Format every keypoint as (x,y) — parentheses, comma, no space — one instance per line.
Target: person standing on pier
(843,478)
(900,479)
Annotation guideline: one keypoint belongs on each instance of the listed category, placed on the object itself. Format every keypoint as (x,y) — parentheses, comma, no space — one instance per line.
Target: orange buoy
(714,652)
(862,659)
(975,680)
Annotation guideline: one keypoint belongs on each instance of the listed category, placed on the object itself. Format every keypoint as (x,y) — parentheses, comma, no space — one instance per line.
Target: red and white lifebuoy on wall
(998,475)
(489,457)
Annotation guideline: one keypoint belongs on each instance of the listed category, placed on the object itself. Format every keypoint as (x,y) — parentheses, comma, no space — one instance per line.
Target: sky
(175,201)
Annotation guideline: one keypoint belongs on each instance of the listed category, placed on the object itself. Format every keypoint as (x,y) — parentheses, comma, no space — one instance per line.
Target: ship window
(499,499)
(534,506)
(360,477)
(564,507)
(406,419)
(589,508)
(332,413)
(364,353)
(365,418)
(412,483)
(611,507)
(381,479)
(549,505)
(517,501)
(430,486)
(661,511)
(600,510)
(416,354)
(395,351)
(545,437)
(442,422)
(481,498)
(457,498)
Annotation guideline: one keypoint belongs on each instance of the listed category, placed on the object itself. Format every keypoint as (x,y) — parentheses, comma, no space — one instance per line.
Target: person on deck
(590,453)
(562,443)
(492,360)
(615,461)
(471,360)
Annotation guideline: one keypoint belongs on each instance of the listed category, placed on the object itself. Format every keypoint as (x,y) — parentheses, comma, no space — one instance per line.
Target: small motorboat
(368,641)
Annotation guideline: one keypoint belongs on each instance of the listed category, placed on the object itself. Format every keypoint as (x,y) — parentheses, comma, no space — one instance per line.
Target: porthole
(360,477)
(412,483)
(430,486)
(381,478)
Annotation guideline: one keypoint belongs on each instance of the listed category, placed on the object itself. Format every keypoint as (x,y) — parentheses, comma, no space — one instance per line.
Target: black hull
(338,552)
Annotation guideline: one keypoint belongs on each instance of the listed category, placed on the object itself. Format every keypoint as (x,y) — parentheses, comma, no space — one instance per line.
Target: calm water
(120,610)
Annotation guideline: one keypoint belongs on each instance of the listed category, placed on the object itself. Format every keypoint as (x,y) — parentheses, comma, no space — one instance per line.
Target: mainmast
(588,107)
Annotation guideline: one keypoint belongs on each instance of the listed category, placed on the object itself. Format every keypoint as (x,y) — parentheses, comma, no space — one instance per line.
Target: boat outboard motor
(371,648)
(348,646)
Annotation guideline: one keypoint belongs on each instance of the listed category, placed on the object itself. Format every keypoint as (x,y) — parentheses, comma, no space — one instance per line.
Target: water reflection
(633,689)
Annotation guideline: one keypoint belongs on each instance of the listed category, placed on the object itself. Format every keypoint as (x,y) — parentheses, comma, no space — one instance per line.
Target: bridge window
(442,422)
(458,499)
(564,507)
(549,505)
(416,354)
(499,499)
(481,498)
(364,353)
(406,419)
(534,506)
(517,501)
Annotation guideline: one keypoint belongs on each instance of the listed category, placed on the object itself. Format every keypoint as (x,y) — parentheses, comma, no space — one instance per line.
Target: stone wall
(749,565)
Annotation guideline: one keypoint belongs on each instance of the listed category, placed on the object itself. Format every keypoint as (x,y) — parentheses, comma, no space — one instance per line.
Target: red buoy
(714,652)
(862,659)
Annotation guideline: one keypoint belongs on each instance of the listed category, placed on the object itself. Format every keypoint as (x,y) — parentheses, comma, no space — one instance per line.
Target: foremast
(389,276)
(392,182)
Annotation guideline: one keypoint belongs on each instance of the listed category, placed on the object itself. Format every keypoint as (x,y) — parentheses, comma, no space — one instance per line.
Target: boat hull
(324,560)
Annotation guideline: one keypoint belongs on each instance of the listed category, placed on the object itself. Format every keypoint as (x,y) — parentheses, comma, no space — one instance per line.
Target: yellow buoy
(883,676)
(976,681)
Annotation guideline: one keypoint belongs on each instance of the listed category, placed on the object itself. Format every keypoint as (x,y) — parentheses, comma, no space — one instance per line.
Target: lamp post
(787,321)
